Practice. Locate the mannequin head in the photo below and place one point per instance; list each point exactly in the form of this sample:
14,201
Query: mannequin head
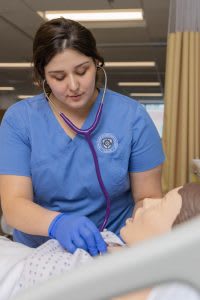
190,194
158,216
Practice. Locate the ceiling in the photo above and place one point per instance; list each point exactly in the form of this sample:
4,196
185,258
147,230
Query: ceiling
19,21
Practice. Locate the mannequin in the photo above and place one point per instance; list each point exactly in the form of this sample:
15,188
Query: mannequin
156,217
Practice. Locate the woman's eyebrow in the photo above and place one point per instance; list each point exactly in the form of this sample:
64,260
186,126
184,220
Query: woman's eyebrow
56,71
80,65
61,71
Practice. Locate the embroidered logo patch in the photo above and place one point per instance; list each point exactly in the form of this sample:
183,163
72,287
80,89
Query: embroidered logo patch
107,143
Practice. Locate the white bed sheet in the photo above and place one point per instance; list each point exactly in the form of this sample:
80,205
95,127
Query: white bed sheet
174,291
12,256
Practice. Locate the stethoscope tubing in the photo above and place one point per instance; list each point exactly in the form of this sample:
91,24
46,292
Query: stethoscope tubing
87,135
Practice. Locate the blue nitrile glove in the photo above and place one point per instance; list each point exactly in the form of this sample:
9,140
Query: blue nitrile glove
74,232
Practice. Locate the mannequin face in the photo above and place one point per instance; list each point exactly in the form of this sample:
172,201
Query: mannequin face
155,217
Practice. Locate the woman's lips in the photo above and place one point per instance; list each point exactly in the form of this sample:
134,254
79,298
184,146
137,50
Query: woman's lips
75,97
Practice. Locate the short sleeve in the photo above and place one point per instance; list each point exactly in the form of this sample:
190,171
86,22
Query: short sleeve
14,145
146,148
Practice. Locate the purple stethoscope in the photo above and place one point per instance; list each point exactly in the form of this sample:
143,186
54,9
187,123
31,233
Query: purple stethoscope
87,135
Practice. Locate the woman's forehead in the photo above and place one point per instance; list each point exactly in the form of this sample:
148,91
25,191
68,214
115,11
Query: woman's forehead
70,58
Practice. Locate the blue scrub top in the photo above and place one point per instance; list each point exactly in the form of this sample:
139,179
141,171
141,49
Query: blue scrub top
32,143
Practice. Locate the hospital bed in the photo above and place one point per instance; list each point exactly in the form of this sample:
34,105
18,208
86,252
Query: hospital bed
172,257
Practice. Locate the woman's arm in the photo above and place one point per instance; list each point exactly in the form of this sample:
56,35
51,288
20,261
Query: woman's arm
146,185
23,214
19,209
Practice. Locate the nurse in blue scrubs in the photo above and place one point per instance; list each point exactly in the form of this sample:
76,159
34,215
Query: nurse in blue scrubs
48,183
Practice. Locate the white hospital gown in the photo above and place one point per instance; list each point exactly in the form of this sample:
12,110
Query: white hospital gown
23,267
51,259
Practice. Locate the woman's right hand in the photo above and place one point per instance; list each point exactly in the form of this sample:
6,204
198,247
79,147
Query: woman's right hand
77,232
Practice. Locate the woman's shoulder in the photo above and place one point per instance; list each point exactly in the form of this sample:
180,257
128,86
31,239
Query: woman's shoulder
28,102
121,101
21,108
116,96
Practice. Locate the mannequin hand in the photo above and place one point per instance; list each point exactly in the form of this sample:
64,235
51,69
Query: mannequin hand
77,232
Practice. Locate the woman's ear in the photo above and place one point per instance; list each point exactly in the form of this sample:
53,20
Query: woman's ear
96,63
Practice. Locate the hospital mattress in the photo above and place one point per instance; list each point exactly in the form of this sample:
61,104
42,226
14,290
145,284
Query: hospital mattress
174,256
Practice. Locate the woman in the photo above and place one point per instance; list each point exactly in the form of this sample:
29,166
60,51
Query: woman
48,184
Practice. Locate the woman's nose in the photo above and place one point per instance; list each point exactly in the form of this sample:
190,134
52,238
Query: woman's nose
73,83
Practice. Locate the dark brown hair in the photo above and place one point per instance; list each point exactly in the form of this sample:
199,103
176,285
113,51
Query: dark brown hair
54,36
190,194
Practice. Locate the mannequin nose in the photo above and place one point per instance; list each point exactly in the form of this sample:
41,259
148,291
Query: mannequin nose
129,220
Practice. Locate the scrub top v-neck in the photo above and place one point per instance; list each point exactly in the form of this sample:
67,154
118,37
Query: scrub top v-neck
87,122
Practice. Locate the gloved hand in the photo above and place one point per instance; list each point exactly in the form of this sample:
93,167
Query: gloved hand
77,232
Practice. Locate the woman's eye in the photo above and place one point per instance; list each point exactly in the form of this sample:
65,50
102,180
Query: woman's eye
82,72
59,78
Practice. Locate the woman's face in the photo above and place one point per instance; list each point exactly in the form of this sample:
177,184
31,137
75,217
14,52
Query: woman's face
71,76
